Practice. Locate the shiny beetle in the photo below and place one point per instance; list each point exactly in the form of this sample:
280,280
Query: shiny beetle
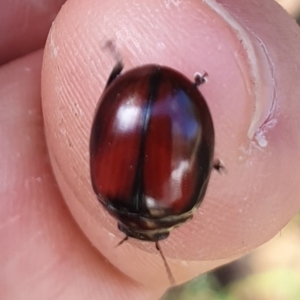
151,149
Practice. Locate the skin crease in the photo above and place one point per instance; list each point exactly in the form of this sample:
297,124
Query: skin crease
19,31
46,251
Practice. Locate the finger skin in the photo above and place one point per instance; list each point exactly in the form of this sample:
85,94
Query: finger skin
250,107
24,26
239,211
43,254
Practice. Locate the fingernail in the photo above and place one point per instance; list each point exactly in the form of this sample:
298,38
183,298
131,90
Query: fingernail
260,80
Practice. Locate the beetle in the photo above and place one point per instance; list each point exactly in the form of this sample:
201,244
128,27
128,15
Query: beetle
151,150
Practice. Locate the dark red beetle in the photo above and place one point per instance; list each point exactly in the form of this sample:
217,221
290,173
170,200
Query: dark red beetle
151,150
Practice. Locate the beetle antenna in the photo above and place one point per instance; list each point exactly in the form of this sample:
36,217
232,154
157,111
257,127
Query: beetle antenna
122,241
170,275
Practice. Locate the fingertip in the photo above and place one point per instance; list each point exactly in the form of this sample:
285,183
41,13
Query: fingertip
190,36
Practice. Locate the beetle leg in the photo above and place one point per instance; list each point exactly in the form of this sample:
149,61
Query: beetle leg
122,241
110,45
115,73
200,78
219,166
